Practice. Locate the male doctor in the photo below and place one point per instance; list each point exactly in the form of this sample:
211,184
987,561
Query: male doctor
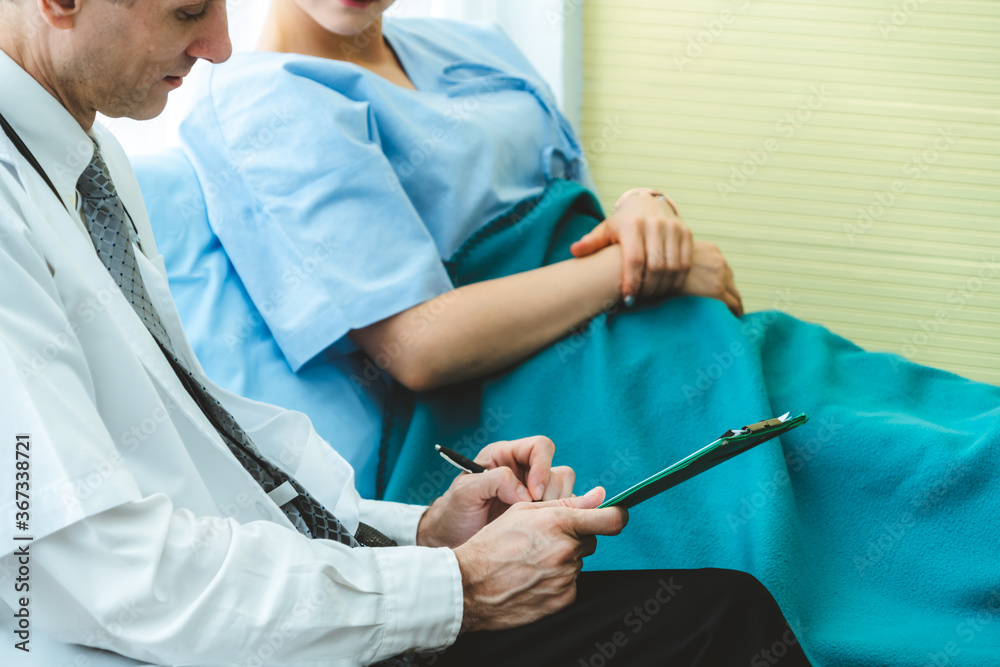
149,515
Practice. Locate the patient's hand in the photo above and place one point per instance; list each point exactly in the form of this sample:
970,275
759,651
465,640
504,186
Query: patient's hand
519,471
711,276
656,245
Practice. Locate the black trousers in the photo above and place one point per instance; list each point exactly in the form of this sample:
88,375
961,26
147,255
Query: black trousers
710,618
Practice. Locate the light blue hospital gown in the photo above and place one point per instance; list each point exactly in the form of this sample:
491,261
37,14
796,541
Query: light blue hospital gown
335,194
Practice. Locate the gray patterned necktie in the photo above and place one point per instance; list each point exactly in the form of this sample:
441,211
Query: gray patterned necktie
105,216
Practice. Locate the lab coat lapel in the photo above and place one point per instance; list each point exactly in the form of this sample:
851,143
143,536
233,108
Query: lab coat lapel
94,277
285,437
68,248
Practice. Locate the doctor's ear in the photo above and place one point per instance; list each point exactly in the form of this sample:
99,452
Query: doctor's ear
60,14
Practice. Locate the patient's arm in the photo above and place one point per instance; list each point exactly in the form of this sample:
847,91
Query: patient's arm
488,326
485,327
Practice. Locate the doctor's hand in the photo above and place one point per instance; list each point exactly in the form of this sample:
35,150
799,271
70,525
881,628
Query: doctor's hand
656,245
519,471
711,276
523,566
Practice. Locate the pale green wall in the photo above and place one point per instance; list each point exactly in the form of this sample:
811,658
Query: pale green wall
846,107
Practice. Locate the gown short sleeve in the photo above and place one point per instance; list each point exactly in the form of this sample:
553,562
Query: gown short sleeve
296,210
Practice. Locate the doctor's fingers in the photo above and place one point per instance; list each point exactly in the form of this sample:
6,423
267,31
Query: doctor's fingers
561,483
530,458
581,523
579,517
476,489
586,546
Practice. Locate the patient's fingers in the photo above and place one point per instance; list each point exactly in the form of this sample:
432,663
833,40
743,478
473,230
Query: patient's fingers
634,255
685,251
672,246
597,238
731,295
739,302
735,307
731,285
657,279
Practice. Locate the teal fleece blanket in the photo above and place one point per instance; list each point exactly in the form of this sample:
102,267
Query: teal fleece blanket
874,525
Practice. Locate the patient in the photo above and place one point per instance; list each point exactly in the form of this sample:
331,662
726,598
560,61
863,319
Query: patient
350,199
346,160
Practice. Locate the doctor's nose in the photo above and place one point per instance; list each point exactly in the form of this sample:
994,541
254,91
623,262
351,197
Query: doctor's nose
212,42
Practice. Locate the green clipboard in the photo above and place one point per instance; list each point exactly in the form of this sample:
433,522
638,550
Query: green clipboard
731,443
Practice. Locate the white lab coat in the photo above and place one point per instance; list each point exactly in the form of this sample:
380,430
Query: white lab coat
150,539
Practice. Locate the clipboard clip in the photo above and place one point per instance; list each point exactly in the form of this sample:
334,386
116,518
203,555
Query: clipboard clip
759,427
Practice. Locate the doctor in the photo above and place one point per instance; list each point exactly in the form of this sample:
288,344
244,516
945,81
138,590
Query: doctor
151,514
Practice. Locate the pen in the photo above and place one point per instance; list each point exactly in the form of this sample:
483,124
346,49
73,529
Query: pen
459,461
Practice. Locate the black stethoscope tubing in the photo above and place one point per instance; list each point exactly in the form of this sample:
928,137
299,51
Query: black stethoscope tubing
29,156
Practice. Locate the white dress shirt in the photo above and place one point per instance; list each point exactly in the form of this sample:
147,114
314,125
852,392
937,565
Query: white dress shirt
149,539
